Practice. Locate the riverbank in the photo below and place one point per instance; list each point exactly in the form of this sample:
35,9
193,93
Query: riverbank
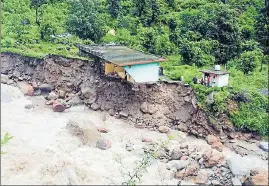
43,151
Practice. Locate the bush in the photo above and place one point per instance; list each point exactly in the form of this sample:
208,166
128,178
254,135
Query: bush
188,72
252,116
248,61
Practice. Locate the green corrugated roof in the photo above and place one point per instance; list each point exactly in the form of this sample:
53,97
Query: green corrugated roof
120,55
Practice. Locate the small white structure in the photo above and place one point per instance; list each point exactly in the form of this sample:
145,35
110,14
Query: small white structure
217,78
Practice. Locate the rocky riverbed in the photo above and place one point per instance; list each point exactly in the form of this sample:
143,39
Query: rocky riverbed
82,146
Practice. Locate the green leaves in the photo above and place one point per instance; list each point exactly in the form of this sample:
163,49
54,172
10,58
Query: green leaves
252,115
85,21
5,140
248,61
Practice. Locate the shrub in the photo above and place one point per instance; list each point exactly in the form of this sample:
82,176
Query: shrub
252,116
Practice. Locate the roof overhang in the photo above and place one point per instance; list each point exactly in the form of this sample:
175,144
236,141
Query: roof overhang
120,55
215,72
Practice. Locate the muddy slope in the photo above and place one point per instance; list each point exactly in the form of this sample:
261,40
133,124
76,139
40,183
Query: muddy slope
169,104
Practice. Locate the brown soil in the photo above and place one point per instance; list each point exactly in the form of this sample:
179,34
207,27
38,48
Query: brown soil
154,105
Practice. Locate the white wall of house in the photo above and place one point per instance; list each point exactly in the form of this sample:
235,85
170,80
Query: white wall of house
222,80
143,73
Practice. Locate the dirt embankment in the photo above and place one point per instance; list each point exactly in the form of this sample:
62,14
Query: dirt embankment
77,81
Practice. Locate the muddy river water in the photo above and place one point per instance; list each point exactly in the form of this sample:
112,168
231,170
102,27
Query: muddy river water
42,151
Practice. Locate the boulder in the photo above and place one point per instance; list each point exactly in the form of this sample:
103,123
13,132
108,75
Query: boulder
191,169
74,101
61,93
182,127
218,146
152,109
237,166
177,135
45,87
10,81
123,114
211,139
259,178
215,158
95,106
144,107
88,92
264,146
26,88
103,144
202,177
52,96
58,107
164,129
84,130
177,164
4,78
176,154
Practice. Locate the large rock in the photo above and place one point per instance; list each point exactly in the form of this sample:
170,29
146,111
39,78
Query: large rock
74,101
177,135
191,169
123,114
4,78
176,154
26,88
259,178
88,92
45,87
237,166
58,107
202,177
103,144
211,139
144,107
264,146
164,129
52,96
215,158
218,146
177,164
95,106
84,130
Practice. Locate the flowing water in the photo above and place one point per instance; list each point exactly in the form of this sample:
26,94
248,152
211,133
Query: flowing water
43,152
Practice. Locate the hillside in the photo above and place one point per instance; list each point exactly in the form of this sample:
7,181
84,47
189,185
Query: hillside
192,34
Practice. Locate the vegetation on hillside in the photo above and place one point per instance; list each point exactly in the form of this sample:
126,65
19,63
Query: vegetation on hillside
192,34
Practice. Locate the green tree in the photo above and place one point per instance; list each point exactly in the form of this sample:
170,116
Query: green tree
52,23
248,61
36,4
262,27
114,7
85,21
213,22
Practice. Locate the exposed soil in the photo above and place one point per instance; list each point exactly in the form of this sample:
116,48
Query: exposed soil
160,104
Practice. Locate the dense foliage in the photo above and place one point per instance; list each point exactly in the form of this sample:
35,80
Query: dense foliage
192,34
